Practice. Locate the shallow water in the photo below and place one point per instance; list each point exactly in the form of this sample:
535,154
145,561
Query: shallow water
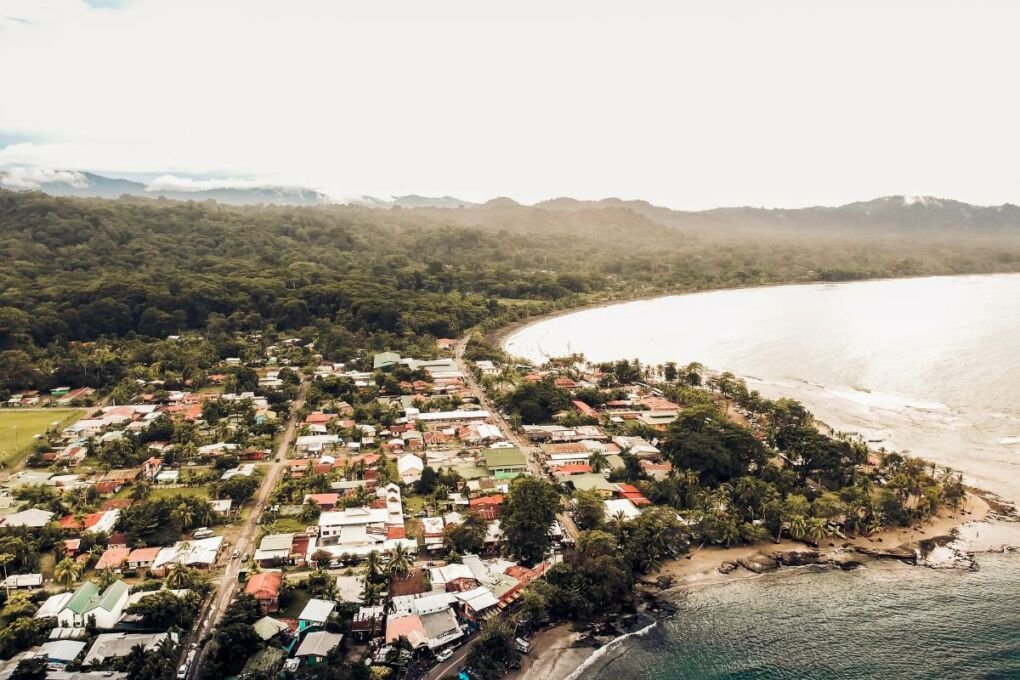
930,366
926,365
885,621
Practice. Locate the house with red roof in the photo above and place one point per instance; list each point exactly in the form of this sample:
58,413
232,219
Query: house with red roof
113,558
488,507
584,409
265,587
633,494
142,558
325,501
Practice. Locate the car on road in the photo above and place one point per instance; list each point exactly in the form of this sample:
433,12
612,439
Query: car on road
234,555
444,655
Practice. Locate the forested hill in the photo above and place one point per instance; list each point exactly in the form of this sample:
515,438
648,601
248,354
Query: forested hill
919,215
87,269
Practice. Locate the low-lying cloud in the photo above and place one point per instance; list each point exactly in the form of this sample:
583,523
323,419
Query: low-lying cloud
24,177
175,183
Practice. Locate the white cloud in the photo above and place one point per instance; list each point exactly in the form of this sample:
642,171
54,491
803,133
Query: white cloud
687,104
174,183
16,177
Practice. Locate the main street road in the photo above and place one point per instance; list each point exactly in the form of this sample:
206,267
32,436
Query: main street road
228,582
531,452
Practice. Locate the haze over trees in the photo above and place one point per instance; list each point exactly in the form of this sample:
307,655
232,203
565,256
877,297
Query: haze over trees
122,273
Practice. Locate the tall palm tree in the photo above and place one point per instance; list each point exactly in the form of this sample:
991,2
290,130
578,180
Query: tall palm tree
400,560
798,527
179,577
67,572
816,529
183,516
598,461
729,531
373,566
5,559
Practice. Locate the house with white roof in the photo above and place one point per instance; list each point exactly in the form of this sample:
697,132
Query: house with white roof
409,468
621,505
194,553
33,518
315,614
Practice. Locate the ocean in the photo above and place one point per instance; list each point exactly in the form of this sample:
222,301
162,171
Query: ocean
886,621
929,366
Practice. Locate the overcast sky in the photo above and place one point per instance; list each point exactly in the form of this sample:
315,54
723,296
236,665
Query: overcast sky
686,104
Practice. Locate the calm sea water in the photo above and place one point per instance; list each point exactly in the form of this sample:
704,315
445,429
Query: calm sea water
930,366
926,365
885,621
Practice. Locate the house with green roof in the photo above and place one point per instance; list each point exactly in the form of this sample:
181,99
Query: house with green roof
505,463
385,360
88,602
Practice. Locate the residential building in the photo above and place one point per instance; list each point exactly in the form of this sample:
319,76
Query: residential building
505,463
88,602
265,587
316,646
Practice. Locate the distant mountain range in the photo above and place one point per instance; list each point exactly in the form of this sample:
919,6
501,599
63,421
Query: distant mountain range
91,185
890,213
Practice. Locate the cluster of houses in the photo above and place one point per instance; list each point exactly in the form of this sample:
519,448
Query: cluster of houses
75,616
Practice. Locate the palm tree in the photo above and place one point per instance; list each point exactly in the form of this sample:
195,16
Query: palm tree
136,658
67,572
816,529
106,578
373,566
729,531
598,462
400,560
798,527
180,576
5,559
183,516
141,491
441,492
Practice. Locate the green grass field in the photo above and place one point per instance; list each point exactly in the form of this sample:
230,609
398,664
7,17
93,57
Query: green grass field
163,492
18,429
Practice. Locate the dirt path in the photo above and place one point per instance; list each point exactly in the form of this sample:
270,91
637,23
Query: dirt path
228,581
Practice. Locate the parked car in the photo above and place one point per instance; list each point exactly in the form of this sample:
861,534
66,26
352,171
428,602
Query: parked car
444,655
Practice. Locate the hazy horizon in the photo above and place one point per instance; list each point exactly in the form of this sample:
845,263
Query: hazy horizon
682,105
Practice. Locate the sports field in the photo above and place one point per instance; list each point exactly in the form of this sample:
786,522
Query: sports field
19,427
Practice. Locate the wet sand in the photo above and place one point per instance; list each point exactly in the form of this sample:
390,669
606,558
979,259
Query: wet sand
552,655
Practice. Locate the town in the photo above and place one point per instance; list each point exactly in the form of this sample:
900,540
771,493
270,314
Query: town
278,514
356,512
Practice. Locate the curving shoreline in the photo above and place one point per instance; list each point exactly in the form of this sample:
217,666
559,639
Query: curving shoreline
559,653
966,534
499,336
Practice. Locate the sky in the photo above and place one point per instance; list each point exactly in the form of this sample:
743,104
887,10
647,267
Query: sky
686,104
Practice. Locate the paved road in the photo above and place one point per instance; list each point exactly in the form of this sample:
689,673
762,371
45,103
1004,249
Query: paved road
228,582
452,665
532,453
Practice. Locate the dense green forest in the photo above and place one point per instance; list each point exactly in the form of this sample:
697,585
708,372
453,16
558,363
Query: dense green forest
128,271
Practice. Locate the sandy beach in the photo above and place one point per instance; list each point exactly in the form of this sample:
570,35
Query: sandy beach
554,656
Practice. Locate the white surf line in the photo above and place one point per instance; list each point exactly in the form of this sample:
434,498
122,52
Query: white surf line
601,651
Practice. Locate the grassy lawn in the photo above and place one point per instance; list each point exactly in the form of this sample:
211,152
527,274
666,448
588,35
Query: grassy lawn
298,601
18,428
413,504
47,562
163,492
287,525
